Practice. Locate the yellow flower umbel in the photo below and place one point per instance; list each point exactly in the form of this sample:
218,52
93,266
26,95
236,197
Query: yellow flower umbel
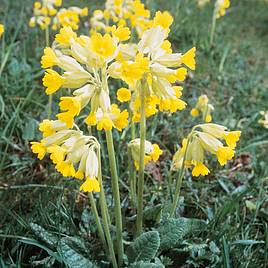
43,11
130,13
153,60
206,138
264,121
204,107
221,6
74,154
152,152
69,17
83,62
2,29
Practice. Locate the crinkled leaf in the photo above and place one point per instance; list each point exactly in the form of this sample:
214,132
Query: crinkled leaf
142,264
153,213
71,257
173,230
44,235
144,248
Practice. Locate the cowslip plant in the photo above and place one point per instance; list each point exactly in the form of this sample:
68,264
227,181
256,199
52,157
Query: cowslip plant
81,67
219,11
204,108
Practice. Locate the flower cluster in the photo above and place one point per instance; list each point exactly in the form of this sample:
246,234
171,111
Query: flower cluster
2,29
204,107
46,13
72,153
43,11
264,120
153,60
84,63
206,138
122,13
152,152
221,6
69,17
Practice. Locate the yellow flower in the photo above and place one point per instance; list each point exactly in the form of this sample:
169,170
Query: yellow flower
221,6
52,81
65,36
103,46
90,185
194,112
200,169
207,139
105,123
163,19
123,94
156,152
2,29
122,33
49,127
39,149
91,119
189,58
49,58
57,153
224,154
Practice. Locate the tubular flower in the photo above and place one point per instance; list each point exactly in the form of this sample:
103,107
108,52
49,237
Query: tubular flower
153,59
204,107
152,152
74,154
109,119
220,7
264,121
2,29
83,62
43,11
130,13
206,138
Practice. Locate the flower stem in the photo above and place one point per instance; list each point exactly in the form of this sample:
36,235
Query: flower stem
116,195
104,213
179,182
132,179
213,27
141,162
97,219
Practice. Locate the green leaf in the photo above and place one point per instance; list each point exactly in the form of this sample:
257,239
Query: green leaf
153,213
144,248
173,230
44,235
71,257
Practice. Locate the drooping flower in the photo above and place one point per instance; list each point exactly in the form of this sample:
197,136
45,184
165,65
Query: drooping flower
152,152
220,7
206,138
83,62
73,153
264,121
153,60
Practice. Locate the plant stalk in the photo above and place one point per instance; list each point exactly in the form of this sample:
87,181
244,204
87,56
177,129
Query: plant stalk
104,213
213,27
97,219
141,162
116,195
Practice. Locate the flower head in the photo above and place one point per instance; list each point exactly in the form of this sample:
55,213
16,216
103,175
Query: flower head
152,152
204,107
206,138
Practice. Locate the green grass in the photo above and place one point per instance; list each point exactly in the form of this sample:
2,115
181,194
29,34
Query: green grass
234,200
